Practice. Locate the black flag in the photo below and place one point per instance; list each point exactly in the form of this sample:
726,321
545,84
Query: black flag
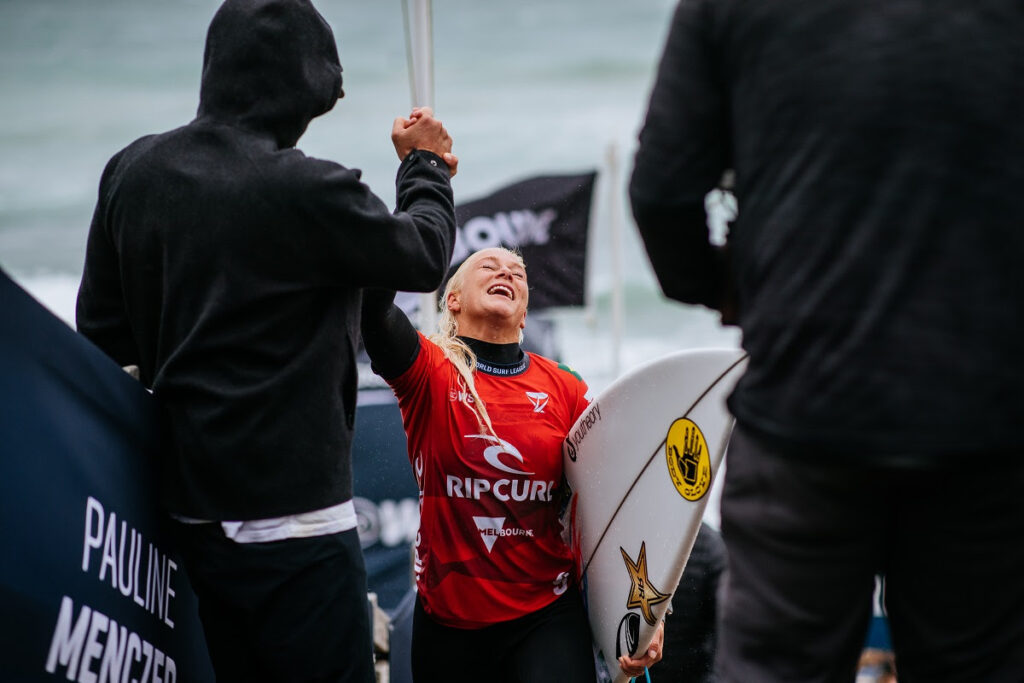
546,219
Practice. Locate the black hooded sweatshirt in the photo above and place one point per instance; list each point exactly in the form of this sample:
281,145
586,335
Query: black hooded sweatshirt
228,266
878,152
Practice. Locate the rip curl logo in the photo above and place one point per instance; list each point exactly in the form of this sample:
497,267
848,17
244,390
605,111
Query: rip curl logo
417,466
539,399
493,528
642,592
515,488
689,465
500,446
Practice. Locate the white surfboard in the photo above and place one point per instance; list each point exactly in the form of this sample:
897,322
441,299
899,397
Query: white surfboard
640,463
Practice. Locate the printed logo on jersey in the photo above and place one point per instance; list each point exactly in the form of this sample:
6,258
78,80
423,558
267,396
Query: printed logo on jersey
493,528
642,592
561,583
417,467
516,489
504,490
491,453
539,399
460,395
628,637
689,464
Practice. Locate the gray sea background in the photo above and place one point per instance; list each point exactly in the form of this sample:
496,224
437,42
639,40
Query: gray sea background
525,88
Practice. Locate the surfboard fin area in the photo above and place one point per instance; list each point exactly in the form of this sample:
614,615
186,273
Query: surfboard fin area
640,463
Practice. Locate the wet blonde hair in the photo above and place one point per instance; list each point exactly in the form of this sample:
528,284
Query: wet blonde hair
457,351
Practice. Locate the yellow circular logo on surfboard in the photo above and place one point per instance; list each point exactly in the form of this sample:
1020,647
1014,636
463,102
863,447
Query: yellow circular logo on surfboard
689,463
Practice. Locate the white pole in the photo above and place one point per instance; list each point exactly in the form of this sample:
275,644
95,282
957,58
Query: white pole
615,227
422,33
420,52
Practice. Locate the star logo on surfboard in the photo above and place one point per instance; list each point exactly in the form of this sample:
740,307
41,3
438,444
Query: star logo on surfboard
642,592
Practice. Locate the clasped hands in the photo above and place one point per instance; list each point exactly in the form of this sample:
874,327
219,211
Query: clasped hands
422,131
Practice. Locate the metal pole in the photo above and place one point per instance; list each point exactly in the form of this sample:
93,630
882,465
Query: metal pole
420,52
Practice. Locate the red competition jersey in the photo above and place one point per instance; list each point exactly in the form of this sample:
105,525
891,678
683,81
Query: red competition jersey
489,547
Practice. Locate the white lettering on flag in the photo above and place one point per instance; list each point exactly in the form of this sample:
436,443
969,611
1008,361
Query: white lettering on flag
509,228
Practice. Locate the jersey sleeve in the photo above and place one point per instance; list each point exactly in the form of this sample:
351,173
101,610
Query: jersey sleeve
578,392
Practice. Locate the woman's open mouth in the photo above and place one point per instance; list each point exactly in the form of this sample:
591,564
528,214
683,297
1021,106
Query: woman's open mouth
503,290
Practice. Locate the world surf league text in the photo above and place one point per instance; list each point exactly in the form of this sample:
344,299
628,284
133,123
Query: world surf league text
92,647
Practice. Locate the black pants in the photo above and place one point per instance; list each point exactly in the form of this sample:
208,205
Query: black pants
806,538
552,644
291,610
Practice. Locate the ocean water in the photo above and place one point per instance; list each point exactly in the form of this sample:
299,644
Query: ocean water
525,88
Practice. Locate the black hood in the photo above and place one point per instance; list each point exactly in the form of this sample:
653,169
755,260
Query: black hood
270,66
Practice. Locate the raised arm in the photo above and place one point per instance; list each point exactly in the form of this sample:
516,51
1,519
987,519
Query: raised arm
390,339
349,237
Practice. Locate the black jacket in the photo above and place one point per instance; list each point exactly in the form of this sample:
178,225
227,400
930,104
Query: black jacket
879,159
228,266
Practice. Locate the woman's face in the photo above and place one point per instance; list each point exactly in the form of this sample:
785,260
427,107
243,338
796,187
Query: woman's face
493,292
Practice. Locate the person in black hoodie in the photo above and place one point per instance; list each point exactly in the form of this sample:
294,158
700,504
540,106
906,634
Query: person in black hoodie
228,266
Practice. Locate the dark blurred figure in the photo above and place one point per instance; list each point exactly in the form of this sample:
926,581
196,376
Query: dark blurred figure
691,631
874,267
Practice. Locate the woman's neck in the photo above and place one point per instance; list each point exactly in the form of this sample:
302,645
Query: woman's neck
491,329
502,354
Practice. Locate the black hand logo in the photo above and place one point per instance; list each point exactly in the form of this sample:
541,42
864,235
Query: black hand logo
690,459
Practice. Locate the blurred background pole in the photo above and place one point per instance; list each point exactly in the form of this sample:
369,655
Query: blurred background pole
419,50
615,230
